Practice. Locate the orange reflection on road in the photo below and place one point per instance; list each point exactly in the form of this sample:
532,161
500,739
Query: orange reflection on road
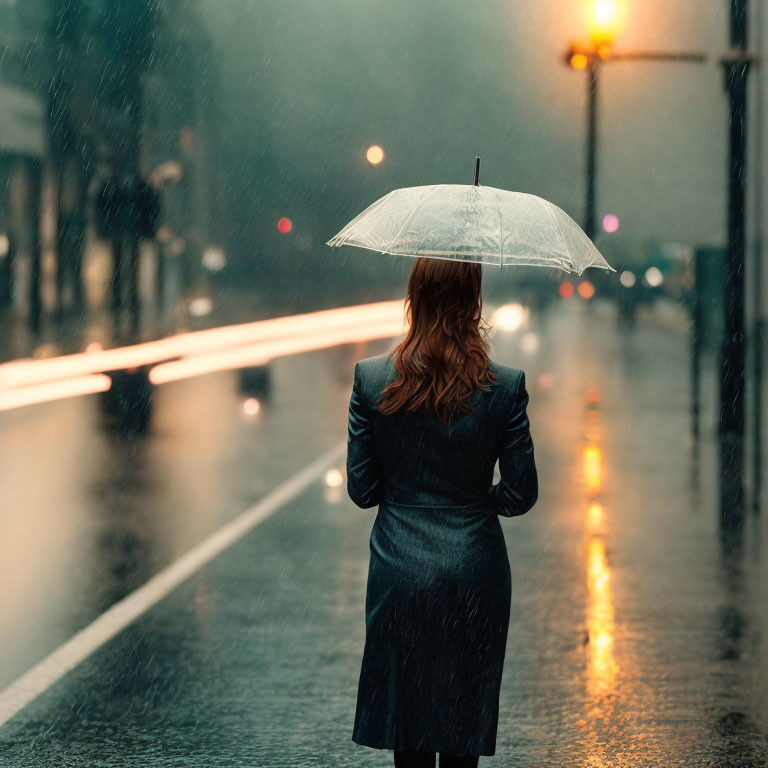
593,468
600,621
601,667
594,517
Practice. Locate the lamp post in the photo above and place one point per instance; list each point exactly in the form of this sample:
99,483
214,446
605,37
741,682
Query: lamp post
605,19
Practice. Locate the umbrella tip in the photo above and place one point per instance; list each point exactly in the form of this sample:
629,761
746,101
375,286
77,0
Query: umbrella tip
476,182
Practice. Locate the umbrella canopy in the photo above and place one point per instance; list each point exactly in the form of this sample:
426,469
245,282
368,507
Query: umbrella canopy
472,223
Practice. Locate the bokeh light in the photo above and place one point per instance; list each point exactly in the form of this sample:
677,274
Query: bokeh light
579,61
251,406
627,278
586,289
610,223
510,317
214,258
592,396
566,289
200,307
374,155
545,380
285,225
653,277
333,478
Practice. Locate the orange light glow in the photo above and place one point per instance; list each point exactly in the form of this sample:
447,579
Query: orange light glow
579,61
586,290
605,19
566,289
600,620
594,516
374,155
592,395
593,468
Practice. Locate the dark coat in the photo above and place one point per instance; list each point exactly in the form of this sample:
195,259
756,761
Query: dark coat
439,583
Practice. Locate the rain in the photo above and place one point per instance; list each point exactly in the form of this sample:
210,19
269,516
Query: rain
209,211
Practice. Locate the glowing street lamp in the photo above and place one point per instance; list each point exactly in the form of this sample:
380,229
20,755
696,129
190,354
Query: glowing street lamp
604,19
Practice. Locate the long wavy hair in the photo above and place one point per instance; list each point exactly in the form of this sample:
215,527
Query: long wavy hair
443,359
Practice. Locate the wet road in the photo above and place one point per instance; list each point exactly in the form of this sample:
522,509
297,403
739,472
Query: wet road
637,638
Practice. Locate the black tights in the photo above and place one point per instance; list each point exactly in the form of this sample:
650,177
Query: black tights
405,759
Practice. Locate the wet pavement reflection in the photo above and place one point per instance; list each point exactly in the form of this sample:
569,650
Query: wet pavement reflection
638,629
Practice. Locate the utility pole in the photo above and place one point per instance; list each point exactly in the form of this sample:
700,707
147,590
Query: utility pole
732,380
757,284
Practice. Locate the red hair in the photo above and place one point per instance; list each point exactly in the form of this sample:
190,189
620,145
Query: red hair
443,359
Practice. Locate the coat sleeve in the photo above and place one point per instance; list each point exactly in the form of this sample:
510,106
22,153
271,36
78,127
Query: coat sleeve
518,489
364,484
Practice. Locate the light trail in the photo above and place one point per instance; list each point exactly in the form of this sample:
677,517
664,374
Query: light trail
20,373
260,354
54,390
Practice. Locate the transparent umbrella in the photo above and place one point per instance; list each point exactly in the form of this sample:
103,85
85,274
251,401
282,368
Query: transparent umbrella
472,223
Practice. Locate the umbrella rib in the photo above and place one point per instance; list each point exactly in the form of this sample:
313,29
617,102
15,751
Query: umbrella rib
418,205
557,225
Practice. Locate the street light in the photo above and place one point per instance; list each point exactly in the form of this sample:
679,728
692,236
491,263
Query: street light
605,19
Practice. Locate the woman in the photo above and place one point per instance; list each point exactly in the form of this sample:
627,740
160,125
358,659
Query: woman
427,423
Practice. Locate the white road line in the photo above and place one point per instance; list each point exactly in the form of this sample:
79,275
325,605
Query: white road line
65,658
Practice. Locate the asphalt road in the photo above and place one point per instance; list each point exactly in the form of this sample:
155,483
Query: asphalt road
637,637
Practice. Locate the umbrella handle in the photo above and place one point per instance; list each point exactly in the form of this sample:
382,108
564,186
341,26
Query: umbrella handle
476,182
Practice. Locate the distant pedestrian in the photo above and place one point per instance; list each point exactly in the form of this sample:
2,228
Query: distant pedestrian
427,423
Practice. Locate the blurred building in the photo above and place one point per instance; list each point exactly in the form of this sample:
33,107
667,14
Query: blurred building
92,90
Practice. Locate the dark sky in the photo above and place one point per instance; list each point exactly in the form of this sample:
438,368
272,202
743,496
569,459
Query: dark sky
310,85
